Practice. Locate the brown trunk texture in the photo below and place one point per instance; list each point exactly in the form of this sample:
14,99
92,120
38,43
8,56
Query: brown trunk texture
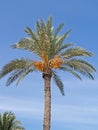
47,105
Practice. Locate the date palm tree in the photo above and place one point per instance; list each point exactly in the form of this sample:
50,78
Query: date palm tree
8,122
48,45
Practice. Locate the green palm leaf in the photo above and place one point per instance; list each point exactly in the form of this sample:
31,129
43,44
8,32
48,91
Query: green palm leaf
8,122
17,64
24,74
70,71
58,29
49,27
61,39
58,82
25,44
18,68
63,47
81,66
19,75
31,33
76,51
78,63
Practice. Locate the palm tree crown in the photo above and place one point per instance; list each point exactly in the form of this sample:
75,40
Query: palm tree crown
8,122
49,46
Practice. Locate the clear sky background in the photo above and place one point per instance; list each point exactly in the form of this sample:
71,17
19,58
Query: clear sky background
78,109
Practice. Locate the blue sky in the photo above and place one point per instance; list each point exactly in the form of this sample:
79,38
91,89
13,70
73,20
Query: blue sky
78,109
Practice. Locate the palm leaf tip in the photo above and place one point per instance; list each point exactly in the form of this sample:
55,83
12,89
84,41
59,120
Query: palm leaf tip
90,76
85,52
27,30
58,29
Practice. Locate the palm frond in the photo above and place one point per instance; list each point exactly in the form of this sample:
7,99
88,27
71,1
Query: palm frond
25,44
76,51
65,46
49,27
24,74
17,125
17,64
58,29
81,66
58,82
78,63
9,122
19,128
18,75
59,41
42,25
46,27
70,71
31,33
90,67
38,28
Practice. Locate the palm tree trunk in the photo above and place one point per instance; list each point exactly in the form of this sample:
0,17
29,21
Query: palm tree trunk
47,105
